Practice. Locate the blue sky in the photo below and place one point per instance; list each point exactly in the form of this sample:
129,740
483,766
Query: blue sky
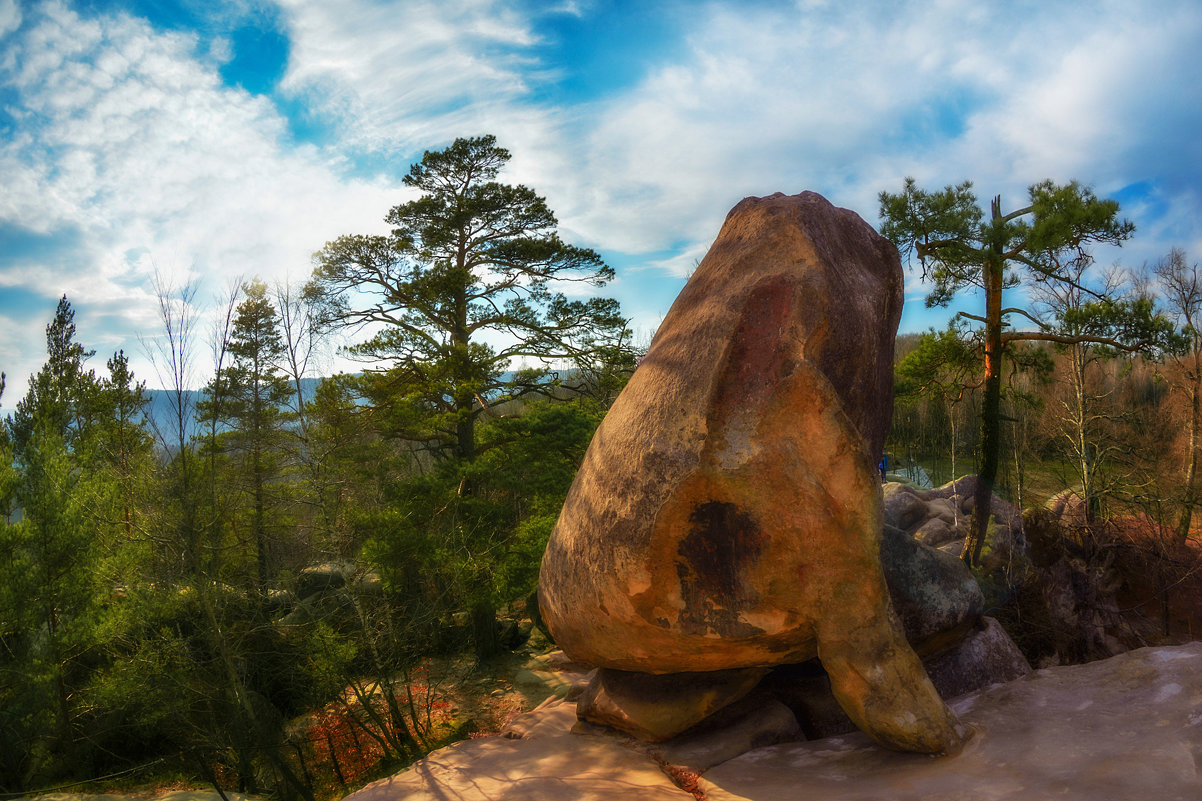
212,140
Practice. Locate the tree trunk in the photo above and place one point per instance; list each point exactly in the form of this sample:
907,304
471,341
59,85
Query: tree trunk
991,406
1082,441
465,429
484,631
1191,459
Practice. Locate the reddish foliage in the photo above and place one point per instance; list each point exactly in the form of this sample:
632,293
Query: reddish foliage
341,733
1162,577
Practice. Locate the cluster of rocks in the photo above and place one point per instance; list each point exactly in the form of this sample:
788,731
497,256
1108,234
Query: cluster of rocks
941,517
320,585
1122,728
939,605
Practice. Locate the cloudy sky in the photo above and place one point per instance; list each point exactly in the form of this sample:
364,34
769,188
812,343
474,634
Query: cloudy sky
209,140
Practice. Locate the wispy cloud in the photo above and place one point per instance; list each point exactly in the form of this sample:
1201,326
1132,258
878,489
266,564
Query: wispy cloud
125,150
400,76
130,148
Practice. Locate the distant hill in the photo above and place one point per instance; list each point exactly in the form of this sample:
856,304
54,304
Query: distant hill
161,407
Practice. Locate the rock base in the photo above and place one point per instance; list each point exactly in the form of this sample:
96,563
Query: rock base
1122,728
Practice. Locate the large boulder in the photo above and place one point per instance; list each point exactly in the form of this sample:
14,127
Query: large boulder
986,656
323,578
656,707
728,513
933,592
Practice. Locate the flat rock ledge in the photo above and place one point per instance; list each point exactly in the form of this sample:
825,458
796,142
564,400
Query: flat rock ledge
1122,728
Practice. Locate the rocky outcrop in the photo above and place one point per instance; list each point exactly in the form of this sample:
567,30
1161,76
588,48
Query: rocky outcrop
1122,728
547,763
656,707
727,513
933,592
941,517
984,657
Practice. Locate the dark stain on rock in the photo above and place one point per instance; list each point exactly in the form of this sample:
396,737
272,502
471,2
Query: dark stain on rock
723,541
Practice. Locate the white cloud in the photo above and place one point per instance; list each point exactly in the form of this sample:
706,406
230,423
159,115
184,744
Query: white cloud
126,137
1092,104
407,75
130,139
848,98
10,16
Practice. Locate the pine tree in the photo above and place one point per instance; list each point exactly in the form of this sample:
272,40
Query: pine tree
467,282
51,593
1046,241
248,398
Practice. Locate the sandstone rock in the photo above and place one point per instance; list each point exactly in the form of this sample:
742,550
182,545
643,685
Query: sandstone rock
936,532
317,579
566,677
555,717
903,506
654,708
1129,727
1068,509
806,690
558,660
1070,588
986,656
727,513
539,768
933,593
756,721
942,517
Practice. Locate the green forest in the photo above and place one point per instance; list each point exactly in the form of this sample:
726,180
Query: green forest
262,590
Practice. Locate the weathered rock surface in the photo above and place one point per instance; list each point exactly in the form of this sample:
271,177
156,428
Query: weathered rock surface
549,766
1127,727
983,657
727,513
934,593
756,721
655,707
321,578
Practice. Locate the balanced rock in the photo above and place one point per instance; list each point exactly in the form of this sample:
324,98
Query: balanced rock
728,513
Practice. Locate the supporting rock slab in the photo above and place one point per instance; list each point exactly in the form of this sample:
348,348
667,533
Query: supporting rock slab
655,708
1129,727
539,768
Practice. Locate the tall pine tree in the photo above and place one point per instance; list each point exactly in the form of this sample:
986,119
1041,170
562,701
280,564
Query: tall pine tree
248,398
